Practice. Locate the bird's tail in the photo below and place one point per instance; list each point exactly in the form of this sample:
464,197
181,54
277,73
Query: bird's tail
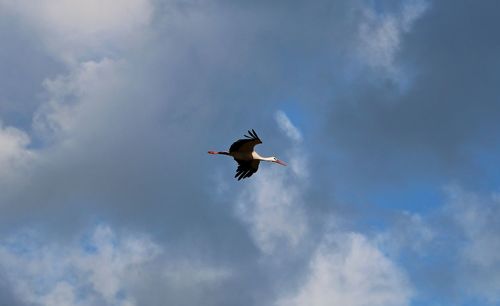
215,152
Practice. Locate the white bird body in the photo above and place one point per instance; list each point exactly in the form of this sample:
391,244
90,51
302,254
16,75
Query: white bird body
243,153
249,156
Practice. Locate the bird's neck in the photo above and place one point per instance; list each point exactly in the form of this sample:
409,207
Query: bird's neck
257,156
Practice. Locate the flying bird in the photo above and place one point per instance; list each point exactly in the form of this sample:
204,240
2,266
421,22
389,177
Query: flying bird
243,153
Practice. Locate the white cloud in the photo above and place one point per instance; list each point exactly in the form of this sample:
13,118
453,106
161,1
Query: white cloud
409,231
477,217
93,272
81,98
71,98
347,269
380,34
272,207
272,204
14,153
71,29
13,144
63,294
297,157
103,267
188,274
287,127
114,260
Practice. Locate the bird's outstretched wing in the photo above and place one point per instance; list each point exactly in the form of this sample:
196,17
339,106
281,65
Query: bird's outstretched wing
246,144
246,168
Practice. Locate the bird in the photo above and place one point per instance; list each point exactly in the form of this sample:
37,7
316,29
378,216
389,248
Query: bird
242,150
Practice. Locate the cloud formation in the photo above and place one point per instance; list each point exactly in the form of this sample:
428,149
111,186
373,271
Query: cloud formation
380,34
347,269
108,108
476,215
93,271
72,30
14,152
273,203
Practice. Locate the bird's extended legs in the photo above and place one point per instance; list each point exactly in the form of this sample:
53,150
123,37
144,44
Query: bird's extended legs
215,152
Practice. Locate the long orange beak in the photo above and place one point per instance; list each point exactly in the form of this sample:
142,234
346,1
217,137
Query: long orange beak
280,162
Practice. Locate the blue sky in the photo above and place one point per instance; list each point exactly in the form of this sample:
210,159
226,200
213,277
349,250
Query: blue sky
386,112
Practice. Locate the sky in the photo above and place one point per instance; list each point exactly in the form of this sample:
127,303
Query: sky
386,112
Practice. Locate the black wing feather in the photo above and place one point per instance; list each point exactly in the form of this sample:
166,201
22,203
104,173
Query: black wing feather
246,168
237,144
254,134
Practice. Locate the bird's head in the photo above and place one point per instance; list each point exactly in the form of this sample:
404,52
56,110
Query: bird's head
275,160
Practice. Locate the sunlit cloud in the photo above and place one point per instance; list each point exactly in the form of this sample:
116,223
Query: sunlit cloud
272,204
381,34
347,269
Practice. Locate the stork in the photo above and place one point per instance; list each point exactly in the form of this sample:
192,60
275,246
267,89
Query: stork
243,153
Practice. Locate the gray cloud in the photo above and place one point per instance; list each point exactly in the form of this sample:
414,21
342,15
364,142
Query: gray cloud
475,215
348,269
436,125
24,66
106,122
121,126
7,295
